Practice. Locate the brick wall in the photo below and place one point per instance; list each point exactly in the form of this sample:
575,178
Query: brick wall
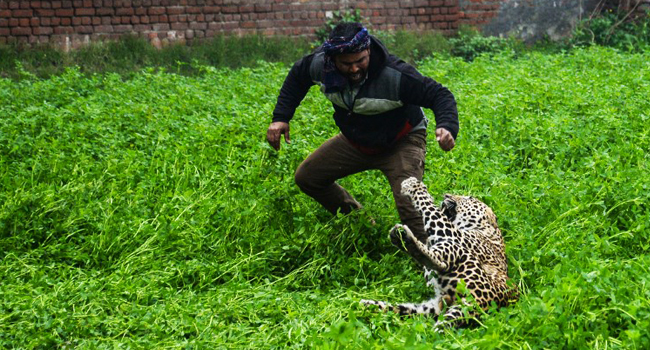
72,23
476,13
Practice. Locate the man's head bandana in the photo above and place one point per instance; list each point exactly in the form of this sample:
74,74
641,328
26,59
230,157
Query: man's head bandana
332,79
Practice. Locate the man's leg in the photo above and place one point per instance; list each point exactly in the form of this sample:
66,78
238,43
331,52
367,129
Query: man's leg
317,174
404,161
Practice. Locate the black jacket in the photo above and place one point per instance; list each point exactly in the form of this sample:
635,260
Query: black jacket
390,98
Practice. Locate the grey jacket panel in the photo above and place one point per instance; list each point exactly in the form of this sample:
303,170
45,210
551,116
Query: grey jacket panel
379,97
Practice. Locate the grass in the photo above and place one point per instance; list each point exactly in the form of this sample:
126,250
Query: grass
147,211
132,53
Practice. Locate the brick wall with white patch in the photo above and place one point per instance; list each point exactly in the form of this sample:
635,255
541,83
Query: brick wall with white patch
73,23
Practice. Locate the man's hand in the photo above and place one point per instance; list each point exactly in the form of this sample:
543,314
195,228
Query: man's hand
273,134
445,140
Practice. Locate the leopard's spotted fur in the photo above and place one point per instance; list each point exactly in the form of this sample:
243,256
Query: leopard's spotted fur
463,242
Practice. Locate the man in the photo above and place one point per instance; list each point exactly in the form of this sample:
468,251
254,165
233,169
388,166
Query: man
377,100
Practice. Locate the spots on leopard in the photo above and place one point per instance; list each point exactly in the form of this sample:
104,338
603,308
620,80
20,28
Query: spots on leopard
464,238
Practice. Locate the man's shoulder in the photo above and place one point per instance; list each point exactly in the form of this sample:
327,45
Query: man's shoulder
401,66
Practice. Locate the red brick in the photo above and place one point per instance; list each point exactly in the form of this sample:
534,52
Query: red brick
5,32
211,9
125,20
156,11
35,4
229,9
34,22
19,31
124,11
43,30
141,28
14,4
263,8
64,12
84,12
441,25
24,22
84,29
122,28
56,4
44,13
76,21
175,10
105,11
198,26
66,4
141,11
5,13
248,24
179,26
161,27
22,13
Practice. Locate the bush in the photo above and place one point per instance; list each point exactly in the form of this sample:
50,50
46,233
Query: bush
613,29
338,17
470,43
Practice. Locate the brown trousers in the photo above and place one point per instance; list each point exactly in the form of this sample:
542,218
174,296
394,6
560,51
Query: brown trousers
337,158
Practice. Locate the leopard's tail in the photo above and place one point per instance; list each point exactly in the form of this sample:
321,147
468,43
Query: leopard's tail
431,307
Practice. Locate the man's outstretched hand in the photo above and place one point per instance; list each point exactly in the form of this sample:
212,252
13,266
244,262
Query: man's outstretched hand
273,134
445,140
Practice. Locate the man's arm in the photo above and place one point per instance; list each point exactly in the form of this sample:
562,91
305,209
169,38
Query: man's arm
293,91
425,92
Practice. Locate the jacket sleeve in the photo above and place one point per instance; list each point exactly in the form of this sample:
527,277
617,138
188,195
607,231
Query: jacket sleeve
293,91
425,92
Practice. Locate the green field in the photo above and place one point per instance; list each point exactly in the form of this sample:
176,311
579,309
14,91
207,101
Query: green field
149,212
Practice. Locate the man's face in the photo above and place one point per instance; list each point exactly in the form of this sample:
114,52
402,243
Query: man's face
353,66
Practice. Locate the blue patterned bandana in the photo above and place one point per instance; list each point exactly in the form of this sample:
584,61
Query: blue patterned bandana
332,79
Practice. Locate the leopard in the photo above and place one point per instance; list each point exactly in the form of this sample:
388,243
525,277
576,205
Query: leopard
463,243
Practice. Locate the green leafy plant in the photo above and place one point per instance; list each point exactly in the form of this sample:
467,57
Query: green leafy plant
337,17
615,29
146,210
469,44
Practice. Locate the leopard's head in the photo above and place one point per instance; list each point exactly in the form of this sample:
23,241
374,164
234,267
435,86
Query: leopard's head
467,212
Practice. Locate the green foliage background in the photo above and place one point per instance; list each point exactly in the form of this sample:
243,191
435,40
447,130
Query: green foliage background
149,212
